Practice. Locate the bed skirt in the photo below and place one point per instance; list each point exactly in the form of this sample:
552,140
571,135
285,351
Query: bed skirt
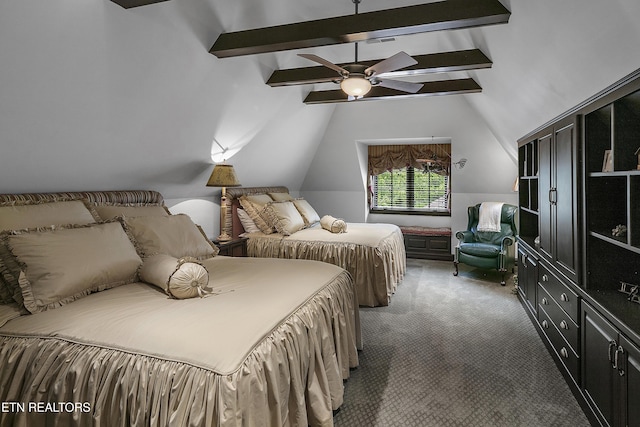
293,377
376,271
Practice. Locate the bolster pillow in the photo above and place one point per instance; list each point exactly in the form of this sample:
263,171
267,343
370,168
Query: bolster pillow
179,278
334,225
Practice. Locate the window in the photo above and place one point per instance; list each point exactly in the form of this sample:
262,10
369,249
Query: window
422,187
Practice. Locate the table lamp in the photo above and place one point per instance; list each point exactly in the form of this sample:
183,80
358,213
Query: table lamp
223,176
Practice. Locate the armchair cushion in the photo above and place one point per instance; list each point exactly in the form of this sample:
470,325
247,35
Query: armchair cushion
484,250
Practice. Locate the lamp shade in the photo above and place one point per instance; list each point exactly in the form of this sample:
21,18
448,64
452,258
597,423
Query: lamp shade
355,86
223,175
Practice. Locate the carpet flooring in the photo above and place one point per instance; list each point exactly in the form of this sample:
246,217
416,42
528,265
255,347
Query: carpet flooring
454,351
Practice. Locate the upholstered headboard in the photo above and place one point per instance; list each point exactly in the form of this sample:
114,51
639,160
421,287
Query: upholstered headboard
99,197
233,226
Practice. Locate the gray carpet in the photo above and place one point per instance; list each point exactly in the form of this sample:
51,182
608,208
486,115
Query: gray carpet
454,351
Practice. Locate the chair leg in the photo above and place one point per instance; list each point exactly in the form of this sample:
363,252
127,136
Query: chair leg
455,264
503,283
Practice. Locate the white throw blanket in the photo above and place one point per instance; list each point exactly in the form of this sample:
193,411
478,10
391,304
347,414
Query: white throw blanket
489,216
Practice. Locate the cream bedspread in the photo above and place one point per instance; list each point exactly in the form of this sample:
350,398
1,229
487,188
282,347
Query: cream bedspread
374,254
268,349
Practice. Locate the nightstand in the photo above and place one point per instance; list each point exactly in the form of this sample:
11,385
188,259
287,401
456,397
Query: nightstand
234,247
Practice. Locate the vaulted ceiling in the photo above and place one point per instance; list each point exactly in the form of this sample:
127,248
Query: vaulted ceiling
373,26
132,98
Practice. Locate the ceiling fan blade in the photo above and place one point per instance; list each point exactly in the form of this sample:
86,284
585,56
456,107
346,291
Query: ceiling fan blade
403,86
396,62
324,62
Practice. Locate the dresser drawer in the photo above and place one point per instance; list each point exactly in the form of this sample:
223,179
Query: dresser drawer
565,325
560,292
568,357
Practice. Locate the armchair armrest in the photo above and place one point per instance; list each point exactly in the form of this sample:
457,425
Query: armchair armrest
465,236
507,241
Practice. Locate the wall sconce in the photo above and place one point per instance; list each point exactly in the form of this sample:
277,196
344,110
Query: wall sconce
224,155
460,163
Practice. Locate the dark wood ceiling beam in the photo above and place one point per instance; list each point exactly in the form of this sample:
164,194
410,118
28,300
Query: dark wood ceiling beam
127,4
443,15
444,62
444,87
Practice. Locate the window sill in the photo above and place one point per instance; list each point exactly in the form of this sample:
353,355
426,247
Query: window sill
408,212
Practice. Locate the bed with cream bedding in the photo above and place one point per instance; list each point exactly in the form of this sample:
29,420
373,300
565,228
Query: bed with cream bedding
268,343
374,254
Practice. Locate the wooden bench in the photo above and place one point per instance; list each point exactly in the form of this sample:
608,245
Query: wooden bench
427,242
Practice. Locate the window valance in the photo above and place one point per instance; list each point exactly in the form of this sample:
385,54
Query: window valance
387,157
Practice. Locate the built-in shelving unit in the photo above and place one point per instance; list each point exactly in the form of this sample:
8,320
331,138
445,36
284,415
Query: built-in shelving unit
612,187
528,191
580,193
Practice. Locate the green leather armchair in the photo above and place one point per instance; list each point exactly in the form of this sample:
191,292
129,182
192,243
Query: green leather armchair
486,249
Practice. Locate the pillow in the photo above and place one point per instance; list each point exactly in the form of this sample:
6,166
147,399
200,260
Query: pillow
246,221
61,265
107,212
257,215
281,197
179,278
334,225
174,235
285,217
32,214
23,215
258,199
309,214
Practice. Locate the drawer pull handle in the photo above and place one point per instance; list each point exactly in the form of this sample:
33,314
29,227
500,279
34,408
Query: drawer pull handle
564,353
545,278
616,362
564,297
544,301
545,324
564,325
612,345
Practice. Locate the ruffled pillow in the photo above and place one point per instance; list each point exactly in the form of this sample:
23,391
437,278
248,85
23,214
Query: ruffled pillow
257,214
174,235
285,217
246,221
179,278
309,214
61,264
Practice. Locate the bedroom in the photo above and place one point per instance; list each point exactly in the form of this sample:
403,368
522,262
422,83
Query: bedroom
97,97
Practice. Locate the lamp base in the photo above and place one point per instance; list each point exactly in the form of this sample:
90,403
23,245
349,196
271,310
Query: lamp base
224,237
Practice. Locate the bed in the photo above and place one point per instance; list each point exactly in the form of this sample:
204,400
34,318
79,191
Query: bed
265,342
374,254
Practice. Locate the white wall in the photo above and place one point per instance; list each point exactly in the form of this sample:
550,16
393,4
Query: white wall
97,97
335,185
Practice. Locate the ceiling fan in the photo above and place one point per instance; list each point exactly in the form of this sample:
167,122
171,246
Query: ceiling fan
356,79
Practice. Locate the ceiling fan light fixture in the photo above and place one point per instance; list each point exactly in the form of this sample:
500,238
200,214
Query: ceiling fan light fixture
356,86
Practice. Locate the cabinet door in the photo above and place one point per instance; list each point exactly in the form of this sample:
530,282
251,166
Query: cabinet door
528,279
631,383
532,280
597,372
545,173
564,198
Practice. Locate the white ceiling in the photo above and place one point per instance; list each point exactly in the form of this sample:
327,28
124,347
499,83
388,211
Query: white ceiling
94,96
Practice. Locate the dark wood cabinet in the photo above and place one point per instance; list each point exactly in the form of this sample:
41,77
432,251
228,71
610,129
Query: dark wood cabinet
580,234
611,371
136,3
558,195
